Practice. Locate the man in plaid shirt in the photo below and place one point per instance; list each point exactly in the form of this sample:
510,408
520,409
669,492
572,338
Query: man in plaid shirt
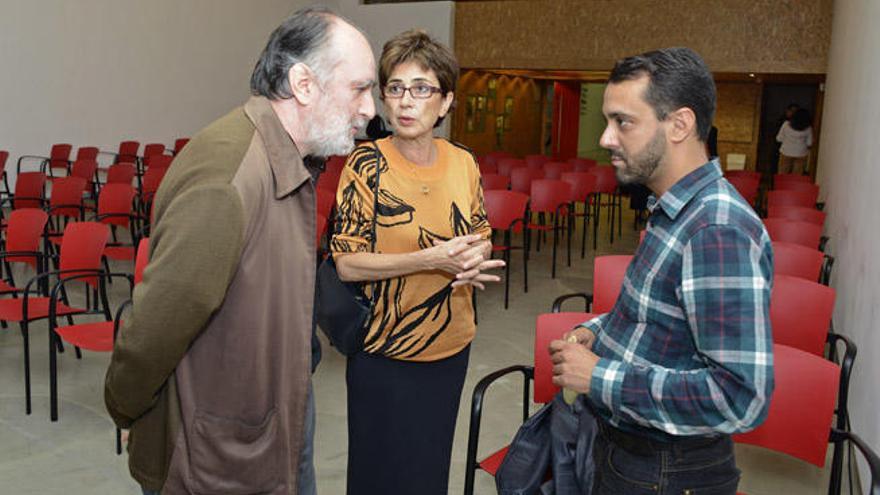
684,359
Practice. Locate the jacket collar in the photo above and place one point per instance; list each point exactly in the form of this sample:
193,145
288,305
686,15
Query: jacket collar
288,169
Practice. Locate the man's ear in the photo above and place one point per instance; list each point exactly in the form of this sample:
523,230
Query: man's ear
303,85
683,123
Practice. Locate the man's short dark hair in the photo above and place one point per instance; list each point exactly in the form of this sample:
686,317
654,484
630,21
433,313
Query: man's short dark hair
677,78
301,38
801,119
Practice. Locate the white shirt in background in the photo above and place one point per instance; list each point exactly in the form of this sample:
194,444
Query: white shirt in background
794,143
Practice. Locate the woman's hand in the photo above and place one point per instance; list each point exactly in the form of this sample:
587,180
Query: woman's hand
457,255
476,277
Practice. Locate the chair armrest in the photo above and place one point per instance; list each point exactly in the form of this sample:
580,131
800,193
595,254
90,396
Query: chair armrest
822,242
587,297
827,264
117,319
59,286
477,407
846,365
43,159
873,487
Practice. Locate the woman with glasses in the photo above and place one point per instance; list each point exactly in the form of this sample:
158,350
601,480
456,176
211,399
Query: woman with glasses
431,251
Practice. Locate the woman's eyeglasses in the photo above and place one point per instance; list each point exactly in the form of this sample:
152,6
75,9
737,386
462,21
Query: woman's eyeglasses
420,91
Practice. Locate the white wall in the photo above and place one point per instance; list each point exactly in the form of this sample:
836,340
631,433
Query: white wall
849,175
96,72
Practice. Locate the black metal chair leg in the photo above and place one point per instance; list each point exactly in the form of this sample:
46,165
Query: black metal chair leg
555,242
118,441
27,367
53,377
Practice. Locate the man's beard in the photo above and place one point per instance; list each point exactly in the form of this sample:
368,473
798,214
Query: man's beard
331,135
638,169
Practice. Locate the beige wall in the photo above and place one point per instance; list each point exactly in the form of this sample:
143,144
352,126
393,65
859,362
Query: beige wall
96,72
850,178
734,36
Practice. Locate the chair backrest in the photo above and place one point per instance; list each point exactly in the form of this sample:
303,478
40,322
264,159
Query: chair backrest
67,197
792,198
505,207
26,226
324,202
583,184
547,195
800,313
497,155
803,233
84,168
121,173
141,259
550,327
505,165
521,179
158,161
797,261
747,187
59,155
153,149
4,155
608,274
494,182
799,213
179,143
801,410
82,245
583,164
329,180
335,163
128,151
798,186
606,179
554,170
751,174
152,179
488,168
87,153
116,199
536,162
780,179
30,188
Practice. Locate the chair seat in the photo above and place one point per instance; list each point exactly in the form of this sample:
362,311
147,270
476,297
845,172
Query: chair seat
537,226
120,252
5,287
493,462
38,307
97,336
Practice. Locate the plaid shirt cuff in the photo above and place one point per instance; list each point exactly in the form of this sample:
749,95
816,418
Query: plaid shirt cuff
607,381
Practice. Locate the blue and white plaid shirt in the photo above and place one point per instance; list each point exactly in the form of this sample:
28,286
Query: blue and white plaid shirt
687,348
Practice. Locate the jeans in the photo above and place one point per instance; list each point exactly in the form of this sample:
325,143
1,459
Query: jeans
672,469
307,485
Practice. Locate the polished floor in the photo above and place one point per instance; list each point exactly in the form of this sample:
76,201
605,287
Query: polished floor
76,454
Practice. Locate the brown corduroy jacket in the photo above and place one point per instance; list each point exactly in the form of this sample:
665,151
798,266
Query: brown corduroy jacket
210,369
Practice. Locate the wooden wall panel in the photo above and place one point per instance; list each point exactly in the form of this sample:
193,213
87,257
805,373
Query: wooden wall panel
737,117
788,36
524,135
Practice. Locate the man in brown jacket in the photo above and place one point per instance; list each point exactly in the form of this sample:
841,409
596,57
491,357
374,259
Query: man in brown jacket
211,370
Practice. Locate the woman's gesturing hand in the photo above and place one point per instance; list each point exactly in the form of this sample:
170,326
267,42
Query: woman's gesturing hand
456,255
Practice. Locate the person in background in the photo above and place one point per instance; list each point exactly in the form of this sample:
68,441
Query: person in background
796,138
684,359
431,251
211,371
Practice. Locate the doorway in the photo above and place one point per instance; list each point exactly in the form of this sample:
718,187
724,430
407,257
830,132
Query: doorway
776,98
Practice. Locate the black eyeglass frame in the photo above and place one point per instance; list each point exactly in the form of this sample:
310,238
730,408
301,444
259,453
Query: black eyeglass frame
434,90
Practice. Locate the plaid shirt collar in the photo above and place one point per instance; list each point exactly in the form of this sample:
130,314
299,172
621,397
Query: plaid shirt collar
680,194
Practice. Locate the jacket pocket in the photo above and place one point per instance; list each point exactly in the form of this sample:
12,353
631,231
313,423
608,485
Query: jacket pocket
230,456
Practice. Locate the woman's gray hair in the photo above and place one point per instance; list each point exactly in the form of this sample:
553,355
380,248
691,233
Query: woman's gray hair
302,38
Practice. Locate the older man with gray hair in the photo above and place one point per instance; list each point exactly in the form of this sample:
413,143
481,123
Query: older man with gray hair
211,370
